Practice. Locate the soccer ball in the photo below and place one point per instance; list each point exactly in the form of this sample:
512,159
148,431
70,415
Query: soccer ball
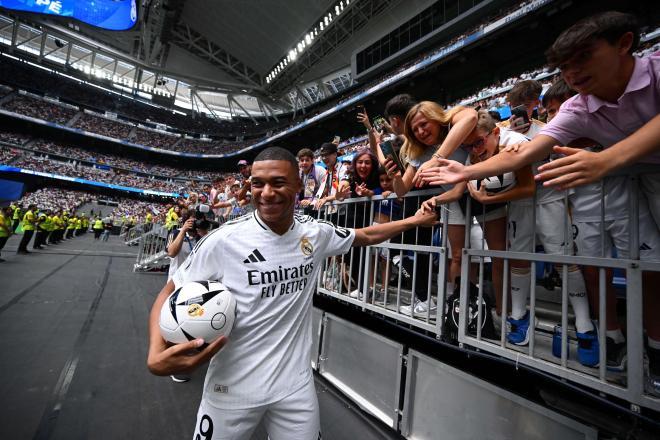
496,184
199,309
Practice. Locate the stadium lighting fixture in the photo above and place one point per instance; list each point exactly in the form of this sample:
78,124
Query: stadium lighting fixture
307,40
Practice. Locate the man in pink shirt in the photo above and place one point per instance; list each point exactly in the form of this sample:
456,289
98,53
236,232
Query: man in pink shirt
618,106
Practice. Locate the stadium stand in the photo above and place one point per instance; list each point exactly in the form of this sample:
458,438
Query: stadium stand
555,355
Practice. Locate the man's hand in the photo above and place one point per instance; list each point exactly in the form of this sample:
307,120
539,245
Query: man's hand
518,124
429,205
447,172
163,360
187,225
579,167
305,203
425,218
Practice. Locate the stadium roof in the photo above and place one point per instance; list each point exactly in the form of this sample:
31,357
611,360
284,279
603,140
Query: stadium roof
224,57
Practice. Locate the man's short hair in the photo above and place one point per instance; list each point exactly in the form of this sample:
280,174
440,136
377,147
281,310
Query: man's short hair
559,91
305,152
399,106
610,25
524,91
328,148
277,153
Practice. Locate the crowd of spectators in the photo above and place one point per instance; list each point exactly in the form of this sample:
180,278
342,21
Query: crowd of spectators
135,211
57,199
7,154
72,154
72,168
104,126
40,109
154,139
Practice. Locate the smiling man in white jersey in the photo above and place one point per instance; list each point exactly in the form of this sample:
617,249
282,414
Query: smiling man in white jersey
270,260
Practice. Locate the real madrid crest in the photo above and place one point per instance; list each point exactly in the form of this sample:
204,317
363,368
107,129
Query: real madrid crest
306,246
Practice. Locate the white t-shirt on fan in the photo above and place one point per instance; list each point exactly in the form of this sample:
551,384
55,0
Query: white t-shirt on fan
273,278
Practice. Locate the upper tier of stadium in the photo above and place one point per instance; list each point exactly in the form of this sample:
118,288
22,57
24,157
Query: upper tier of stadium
82,101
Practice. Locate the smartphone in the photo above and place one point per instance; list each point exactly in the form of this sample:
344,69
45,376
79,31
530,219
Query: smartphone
388,151
336,140
361,109
520,112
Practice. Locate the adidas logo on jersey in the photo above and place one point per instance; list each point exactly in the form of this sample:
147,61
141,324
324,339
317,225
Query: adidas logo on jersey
254,257
644,247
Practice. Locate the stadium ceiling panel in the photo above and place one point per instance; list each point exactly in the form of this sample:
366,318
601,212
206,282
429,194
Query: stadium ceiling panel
256,32
193,52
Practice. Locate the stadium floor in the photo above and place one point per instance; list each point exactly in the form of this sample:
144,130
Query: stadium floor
74,324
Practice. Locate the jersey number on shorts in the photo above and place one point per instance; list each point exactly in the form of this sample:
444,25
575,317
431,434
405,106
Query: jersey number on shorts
206,431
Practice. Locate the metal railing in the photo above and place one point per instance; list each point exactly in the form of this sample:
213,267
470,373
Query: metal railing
384,279
132,234
152,253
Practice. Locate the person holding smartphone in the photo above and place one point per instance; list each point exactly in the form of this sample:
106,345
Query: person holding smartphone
524,98
430,133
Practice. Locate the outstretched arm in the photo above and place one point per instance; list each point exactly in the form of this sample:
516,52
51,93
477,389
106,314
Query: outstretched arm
379,233
581,166
164,360
450,171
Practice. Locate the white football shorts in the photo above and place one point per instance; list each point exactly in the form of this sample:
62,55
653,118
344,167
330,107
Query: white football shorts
650,186
295,417
549,227
588,238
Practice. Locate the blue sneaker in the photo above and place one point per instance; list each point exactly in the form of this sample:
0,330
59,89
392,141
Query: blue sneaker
588,348
519,334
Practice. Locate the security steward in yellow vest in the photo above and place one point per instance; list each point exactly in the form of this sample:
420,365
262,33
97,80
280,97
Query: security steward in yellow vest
98,228
29,224
56,222
6,227
79,226
41,230
71,226
16,217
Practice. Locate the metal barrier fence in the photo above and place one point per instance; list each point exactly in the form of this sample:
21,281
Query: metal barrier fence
385,279
152,252
152,241
132,235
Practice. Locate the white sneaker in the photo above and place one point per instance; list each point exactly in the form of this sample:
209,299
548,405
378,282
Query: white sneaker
420,308
356,294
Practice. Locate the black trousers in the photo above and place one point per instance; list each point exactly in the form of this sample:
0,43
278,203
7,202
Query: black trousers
27,236
40,238
97,233
16,223
3,241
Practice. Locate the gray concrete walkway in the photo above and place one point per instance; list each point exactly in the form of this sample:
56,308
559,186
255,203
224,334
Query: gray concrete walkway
73,319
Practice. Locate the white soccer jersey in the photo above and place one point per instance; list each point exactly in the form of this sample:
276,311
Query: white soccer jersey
273,278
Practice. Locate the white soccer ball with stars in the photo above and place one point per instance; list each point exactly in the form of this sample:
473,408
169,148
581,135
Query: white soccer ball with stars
199,309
